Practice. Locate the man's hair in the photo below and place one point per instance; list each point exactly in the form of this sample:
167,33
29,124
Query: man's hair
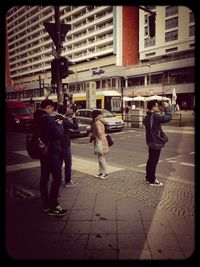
95,113
62,109
47,102
151,104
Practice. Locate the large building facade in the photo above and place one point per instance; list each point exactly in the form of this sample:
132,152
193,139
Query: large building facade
107,44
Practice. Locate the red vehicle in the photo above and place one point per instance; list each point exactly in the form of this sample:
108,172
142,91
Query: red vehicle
18,116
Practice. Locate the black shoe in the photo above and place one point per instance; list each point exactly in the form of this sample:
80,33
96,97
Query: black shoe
58,211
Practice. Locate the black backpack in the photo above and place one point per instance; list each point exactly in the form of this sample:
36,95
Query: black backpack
34,146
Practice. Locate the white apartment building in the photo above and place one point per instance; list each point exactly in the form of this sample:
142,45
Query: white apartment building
105,43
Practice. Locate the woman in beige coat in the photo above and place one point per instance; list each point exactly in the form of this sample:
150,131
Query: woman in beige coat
98,129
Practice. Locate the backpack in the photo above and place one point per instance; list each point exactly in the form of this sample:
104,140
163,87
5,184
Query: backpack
34,145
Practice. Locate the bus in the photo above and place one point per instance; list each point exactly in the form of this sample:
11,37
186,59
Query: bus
110,100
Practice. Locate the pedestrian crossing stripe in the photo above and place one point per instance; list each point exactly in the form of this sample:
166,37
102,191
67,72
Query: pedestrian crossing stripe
78,164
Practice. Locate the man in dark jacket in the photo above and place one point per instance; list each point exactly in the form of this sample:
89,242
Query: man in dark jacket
67,154
154,154
51,133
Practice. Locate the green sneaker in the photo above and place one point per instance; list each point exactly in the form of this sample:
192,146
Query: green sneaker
58,211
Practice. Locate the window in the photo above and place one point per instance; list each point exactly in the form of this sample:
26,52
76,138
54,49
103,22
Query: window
191,33
145,19
149,42
171,10
171,23
171,36
171,49
191,17
146,31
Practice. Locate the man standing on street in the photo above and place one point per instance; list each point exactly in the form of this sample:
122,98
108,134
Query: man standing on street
154,154
51,133
67,154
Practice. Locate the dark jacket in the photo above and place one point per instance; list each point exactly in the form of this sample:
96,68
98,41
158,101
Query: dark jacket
157,120
35,124
68,124
51,133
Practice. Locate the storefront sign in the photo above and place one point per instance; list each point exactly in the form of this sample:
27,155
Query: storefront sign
98,72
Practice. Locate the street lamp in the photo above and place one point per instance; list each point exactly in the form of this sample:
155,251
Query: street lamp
122,95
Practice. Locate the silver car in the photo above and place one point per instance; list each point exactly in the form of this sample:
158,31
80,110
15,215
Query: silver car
112,123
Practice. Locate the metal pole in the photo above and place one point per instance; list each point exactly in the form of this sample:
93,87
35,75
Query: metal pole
40,85
148,65
58,49
122,93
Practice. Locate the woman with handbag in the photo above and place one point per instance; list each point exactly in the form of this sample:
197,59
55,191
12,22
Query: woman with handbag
101,147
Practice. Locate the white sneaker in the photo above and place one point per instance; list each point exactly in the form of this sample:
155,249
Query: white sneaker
103,176
70,184
156,183
98,175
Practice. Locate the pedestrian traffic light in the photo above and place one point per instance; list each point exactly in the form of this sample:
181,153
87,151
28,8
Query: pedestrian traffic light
65,99
152,26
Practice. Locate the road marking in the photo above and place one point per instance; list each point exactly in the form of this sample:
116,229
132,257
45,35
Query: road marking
187,164
78,164
131,131
90,167
22,166
173,158
141,165
22,152
119,133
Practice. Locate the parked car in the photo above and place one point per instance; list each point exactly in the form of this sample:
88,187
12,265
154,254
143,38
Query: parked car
18,116
83,130
112,123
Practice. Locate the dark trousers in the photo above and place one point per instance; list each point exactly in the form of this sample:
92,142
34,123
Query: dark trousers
50,164
68,163
151,165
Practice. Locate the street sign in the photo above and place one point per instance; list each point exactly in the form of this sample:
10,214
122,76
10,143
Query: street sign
51,29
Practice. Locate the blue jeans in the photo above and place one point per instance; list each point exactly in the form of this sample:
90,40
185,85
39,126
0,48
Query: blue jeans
67,157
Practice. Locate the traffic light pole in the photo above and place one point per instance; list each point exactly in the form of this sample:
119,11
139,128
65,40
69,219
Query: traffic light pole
58,50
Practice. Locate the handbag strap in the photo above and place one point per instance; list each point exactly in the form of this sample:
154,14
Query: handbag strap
151,126
151,122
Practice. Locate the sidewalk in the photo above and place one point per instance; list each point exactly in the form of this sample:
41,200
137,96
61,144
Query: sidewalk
118,218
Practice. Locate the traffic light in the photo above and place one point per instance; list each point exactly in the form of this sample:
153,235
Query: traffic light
152,25
63,67
62,64
69,63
